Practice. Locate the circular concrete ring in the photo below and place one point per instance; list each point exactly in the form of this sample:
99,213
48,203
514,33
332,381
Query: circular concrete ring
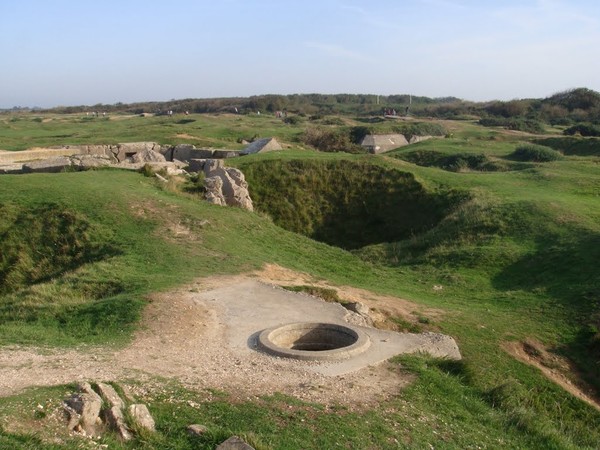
314,341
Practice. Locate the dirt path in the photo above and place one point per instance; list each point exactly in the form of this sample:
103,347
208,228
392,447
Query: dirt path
182,338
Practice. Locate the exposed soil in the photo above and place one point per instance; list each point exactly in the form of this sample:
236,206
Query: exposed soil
182,339
554,367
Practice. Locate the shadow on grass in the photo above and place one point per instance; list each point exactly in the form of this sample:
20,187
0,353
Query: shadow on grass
568,273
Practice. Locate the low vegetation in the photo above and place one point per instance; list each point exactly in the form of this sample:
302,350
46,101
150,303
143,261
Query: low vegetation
458,162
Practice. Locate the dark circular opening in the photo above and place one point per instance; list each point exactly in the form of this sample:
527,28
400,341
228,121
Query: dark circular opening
325,341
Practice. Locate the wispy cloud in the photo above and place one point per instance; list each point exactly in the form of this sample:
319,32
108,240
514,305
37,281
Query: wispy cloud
368,16
338,51
444,4
546,13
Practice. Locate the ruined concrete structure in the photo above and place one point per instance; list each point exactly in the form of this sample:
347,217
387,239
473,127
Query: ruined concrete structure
380,143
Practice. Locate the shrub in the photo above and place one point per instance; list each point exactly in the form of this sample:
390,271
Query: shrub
455,163
357,134
420,129
147,170
327,140
584,129
292,120
535,153
527,125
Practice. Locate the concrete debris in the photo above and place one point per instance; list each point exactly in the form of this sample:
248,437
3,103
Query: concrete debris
231,190
197,430
234,443
142,417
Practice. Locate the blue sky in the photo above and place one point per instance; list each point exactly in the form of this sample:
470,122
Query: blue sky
72,52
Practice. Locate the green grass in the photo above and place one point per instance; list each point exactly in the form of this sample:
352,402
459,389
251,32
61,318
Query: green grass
517,259
21,132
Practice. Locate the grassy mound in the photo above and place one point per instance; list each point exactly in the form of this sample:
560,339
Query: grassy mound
44,242
346,204
535,153
573,145
457,162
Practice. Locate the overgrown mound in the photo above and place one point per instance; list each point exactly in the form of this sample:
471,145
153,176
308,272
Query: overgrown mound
535,153
457,162
346,204
41,243
516,124
572,145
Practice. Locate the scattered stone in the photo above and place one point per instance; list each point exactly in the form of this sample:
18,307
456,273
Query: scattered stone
212,165
356,319
73,417
214,191
142,417
360,314
87,405
196,165
116,421
108,393
127,393
197,430
234,443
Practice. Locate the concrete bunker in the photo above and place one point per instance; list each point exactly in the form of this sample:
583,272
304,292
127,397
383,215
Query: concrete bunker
313,341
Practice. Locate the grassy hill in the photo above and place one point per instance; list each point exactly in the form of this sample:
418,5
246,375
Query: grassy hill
515,249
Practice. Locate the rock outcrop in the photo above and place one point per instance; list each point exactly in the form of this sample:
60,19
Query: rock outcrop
147,155
226,185
83,409
86,415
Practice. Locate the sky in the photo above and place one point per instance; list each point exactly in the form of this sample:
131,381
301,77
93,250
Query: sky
74,52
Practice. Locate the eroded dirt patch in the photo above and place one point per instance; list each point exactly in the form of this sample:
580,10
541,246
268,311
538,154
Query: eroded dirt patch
554,367
382,306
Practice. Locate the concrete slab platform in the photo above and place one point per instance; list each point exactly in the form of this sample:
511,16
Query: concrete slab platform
249,307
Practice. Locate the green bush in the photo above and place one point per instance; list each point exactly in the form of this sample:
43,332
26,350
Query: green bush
293,120
147,170
357,134
527,125
535,153
329,140
420,129
572,145
454,163
584,129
